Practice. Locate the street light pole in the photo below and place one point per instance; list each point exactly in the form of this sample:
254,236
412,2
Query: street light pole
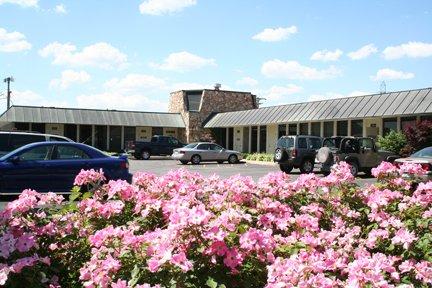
8,80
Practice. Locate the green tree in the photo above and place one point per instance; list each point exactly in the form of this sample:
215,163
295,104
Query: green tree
393,141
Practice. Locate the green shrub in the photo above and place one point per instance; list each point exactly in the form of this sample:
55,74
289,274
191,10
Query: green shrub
393,141
258,157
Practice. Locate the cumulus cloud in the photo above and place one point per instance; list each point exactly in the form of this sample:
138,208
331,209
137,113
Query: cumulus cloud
275,34
247,81
134,82
325,55
13,41
332,95
69,77
60,9
389,74
363,52
410,49
22,3
101,55
183,61
160,7
277,93
29,97
295,71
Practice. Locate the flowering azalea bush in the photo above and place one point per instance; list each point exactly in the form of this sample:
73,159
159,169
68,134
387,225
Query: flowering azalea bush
186,230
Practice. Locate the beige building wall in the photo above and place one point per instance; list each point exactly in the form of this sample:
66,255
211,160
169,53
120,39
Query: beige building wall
372,127
56,129
143,133
272,134
170,132
238,138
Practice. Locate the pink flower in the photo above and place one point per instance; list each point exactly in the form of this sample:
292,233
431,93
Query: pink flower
91,176
384,169
25,242
404,237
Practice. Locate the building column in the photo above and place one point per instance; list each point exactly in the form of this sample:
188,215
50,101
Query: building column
349,128
322,129
309,128
335,128
364,128
30,126
227,137
250,139
93,135
108,138
258,138
122,138
78,133
298,129
398,124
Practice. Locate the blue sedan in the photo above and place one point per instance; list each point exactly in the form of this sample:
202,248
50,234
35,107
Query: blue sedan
52,166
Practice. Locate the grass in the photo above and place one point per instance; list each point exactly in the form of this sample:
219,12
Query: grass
258,157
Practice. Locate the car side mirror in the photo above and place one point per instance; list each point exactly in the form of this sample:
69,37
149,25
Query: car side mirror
15,159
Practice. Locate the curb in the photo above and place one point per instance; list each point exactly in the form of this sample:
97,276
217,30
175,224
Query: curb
265,163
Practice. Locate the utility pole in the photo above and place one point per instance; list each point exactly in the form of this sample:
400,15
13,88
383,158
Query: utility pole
8,80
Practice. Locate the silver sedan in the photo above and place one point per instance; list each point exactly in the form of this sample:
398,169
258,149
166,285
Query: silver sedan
205,151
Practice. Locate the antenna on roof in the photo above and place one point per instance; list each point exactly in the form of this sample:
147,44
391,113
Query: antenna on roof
217,86
383,87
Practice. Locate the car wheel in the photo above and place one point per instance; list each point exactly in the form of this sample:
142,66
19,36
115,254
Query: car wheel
232,159
354,168
279,155
184,162
220,161
196,159
286,168
145,155
307,166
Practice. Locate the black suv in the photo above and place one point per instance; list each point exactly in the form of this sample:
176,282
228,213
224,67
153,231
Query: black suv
297,152
11,140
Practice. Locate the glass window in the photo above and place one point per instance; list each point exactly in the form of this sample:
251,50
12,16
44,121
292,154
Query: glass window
301,142
70,131
304,129
4,142
173,141
192,145
281,130
85,134
52,138
101,137
426,118
357,128
254,139
316,129
157,131
263,139
328,128
215,147
286,142
203,147
342,128
389,124
315,143
407,121
292,129
366,143
129,136
115,138
426,152
331,143
70,152
22,126
38,127
18,140
36,154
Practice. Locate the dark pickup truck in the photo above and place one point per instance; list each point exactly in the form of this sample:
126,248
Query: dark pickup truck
158,145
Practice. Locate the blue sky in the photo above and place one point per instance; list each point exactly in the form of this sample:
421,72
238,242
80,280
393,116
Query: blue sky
131,54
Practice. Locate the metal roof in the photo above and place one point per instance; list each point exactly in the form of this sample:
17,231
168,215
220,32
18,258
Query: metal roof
35,114
399,103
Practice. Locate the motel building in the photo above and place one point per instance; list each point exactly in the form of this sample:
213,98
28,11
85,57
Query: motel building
232,118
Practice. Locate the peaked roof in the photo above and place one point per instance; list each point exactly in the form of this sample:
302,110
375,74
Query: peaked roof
409,102
36,114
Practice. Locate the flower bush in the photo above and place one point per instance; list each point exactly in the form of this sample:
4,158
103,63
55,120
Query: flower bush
186,230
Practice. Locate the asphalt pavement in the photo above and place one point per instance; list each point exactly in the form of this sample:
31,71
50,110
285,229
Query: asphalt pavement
161,165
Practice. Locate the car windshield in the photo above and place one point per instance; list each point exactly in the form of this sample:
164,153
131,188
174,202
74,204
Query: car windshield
192,145
426,152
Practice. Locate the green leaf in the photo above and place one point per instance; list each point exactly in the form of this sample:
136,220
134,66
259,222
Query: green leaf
86,195
134,276
211,283
75,194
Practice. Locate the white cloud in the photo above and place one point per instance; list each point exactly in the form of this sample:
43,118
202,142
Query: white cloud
410,49
60,9
247,81
277,93
294,70
13,41
69,77
183,61
275,34
160,7
134,82
332,95
325,55
22,3
389,74
29,97
101,55
363,52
